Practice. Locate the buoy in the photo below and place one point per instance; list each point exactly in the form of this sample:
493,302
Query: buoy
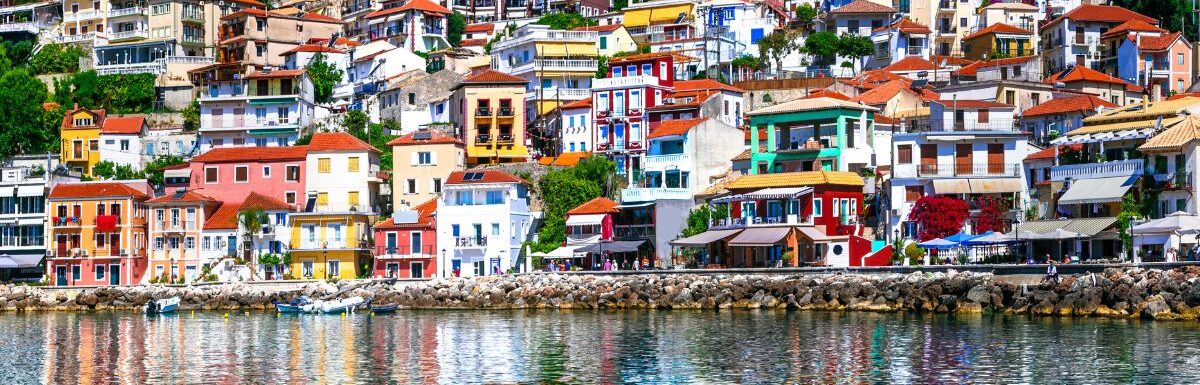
226,315
247,312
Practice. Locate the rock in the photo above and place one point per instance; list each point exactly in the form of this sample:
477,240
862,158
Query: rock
979,294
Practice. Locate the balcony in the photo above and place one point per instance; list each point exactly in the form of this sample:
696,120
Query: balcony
82,15
571,65
947,5
1083,40
1097,170
505,112
504,138
175,227
90,36
915,51
404,251
153,67
806,146
633,232
434,30
650,194
127,11
483,139
929,126
471,242
29,26
1160,72
952,170
733,223
548,35
483,112
194,17
1171,181
564,94
624,82
127,35
66,221
659,162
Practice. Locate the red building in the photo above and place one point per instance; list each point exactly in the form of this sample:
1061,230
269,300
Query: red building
229,174
619,103
406,243
591,222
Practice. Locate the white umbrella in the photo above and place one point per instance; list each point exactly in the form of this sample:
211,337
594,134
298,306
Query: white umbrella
1179,221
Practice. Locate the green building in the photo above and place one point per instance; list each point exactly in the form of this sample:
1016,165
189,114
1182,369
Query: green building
812,134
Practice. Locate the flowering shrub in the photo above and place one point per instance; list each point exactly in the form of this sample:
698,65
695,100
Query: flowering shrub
938,216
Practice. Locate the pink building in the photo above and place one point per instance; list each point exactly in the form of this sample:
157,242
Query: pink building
406,243
229,174
619,102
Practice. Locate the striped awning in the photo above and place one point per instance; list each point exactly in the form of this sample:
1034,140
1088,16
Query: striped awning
1097,190
996,185
951,186
762,236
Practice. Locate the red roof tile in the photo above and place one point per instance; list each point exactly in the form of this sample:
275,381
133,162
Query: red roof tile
581,103
863,6
884,119
566,159
88,190
911,63
188,196
252,154
123,125
312,48
338,141
435,137
827,94
973,68
705,84
276,74
599,28
68,123
417,5
1084,74
906,26
599,205
972,104
225,218
881,94
311,16
1101,13
674,127
425,216
488,176
1132,26
1048,153
472,42
479,27
341,41
254,200
1068,104
950,60
1157,43
998,28
492,76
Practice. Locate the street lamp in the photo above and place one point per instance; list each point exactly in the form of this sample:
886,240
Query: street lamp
444,258
1017,236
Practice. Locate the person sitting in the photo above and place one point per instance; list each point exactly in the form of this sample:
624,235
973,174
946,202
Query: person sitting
1051,273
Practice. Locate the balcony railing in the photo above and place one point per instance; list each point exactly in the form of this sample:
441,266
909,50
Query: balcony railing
82,15
633,232
505,112
924,125
128,35
726,223
624,82
1097,170
471,242
405,251
90,36
663,161
556,65
153,67
30,26
564,94
915,50
66,221
14,241
957,170
118,12
197,17
946,5
1172,181
649,194
548,35
483,112
806,145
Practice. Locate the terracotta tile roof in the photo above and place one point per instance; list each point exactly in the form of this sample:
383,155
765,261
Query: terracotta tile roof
486,176
425,215
884,119
881,94
88,190
479,27
871,78
435,137
600,205
745,155
225,218
472,42
492,76
338,141
312,16
1132,26
275,74
418,5
705,84
1101,13
827,94
1068,104
973,68
254,200
1048,152
796,179
911,63
906,26
674,127
810,105
1184,95
68,123
566,159
581,103
252,154
640,57
600,28
972,104
188,196
1158,43
950,60
680,100
312,48
341,41
1084,74
123,125
863,6
998,28
1174,138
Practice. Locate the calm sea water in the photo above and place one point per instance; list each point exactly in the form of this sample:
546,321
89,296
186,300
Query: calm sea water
608,347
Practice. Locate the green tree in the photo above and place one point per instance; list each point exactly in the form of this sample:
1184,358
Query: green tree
805,13
563,190
854,47
108,170
601,67
16,51
191,116
304,139
776,46
565,21
355,123
56,58
618,5
456,26
823,44
1172,14
250,222
24,123
154,168
698,220
324,76
746,62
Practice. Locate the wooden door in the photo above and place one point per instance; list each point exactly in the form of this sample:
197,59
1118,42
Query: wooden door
995,158
962,159
928,159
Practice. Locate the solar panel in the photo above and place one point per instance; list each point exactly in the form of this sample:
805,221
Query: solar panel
423,135
179,193
916,84
472,176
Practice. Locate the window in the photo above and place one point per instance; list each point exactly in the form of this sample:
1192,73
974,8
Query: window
323,165
75,272
210,175
322,199
158,243
352,198
424,158
260,23
983,116
289,197
206,243
1179,84
99,272
1179,58
913,193
662,71
495,229
852,25
756,34
904,154
241,174
306,269
604,42
437,185
293,173
94,145
334,269
495,197
962,22
266,171
412,98
353,164
124,144
189,243
173,243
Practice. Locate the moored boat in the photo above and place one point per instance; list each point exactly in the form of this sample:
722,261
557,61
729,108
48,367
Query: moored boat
160,306
383,309
340,306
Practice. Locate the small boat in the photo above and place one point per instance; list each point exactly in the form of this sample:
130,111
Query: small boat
345,305
383,309
298,305
165,305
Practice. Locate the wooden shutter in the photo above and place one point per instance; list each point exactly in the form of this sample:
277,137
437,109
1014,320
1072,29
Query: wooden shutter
962,158
995,158
904,154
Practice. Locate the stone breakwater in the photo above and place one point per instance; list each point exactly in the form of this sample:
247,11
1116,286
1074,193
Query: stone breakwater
1157,294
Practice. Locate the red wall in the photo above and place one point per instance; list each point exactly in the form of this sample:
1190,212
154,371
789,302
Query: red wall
226,190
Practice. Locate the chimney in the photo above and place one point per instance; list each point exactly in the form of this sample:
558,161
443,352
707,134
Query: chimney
1145,101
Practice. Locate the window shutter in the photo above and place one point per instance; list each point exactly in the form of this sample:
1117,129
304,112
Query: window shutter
433,157
415,160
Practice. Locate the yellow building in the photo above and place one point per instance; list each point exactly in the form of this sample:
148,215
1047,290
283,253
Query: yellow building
80,139
998,41
486,107
327,245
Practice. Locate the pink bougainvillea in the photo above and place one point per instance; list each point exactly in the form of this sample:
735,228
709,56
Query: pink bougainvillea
938,216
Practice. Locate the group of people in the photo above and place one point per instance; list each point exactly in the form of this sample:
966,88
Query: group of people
564,265
611,265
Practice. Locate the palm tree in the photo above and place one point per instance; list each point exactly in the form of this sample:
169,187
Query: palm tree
250,221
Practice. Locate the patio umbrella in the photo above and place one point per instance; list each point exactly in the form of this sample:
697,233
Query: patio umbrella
991,238
937,243
1179,221
962,236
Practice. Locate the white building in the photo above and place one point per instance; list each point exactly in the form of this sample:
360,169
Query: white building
683,157
559,65
171,141
24,182
483,218
259,109
577,122
1074,38
858,18
121,140
741,23
340,173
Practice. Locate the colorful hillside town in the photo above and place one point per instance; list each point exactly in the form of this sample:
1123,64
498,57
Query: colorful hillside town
423,139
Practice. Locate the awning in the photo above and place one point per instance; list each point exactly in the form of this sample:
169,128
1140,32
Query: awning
705,238
1086,227
19,261
635,205
814,234
7,191
763,236
997,185
951,186
611,247
644,17
559,253
585,219
177,173
273,101
31,191
1097,190
778,193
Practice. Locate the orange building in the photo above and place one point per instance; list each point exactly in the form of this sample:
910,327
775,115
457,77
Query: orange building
97,232
175,231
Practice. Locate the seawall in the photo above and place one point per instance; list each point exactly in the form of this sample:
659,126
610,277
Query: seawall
1129,292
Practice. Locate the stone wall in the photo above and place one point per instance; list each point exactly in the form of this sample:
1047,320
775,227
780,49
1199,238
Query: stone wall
1157,294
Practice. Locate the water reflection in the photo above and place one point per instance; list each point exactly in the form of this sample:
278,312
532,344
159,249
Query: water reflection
643,347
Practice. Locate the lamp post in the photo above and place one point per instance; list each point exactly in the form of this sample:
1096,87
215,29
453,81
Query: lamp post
1017,236
444,257
325,260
